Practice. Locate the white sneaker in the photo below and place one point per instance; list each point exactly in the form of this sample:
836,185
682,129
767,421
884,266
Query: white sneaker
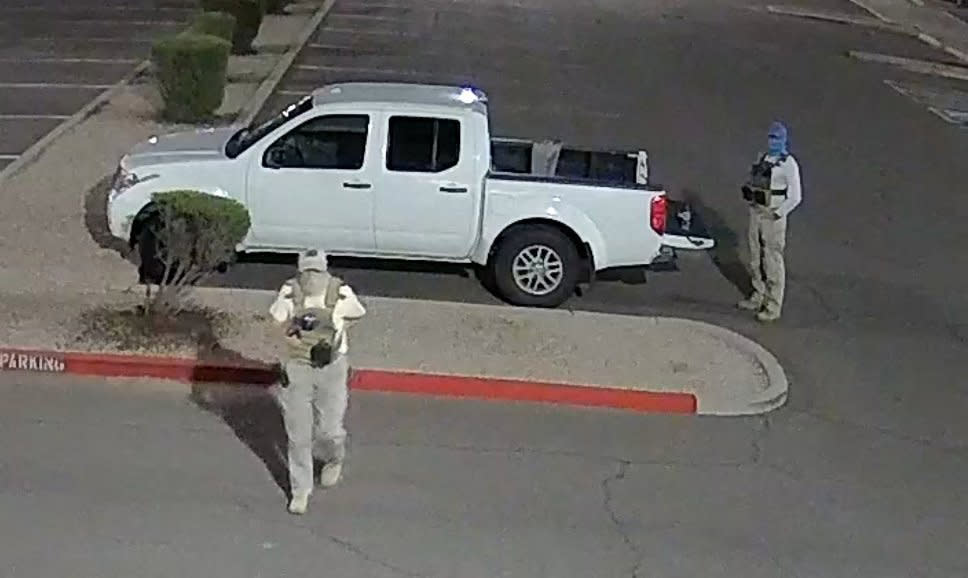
330,475
299,504
767,316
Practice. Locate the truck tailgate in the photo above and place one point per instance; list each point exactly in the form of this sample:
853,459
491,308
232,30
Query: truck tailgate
685,229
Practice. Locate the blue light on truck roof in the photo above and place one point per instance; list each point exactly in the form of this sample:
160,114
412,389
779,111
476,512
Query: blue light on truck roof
467,95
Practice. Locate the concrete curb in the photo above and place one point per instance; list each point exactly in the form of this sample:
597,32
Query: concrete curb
251,373
724,403
254,106
30,155
773,396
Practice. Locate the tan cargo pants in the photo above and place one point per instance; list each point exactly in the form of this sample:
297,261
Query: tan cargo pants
313,406
767,240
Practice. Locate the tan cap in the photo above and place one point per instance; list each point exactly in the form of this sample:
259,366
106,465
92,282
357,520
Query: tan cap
312,260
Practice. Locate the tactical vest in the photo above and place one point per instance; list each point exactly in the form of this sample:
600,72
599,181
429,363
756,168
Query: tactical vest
758,188
311,337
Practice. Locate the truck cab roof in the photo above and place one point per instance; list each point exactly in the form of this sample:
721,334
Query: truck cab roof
394,93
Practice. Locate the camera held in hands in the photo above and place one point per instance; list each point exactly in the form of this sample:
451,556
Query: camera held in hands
306,322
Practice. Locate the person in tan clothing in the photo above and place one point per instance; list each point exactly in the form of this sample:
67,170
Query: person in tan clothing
316,307
773,191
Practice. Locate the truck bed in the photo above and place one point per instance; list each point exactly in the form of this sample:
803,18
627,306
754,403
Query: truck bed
512,158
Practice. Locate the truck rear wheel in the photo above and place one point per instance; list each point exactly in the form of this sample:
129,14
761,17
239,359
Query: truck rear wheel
536,266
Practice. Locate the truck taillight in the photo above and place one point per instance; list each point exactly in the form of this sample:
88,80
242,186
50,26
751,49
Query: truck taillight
657,214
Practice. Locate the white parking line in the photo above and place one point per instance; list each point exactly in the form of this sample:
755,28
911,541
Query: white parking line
46,10
370,32
914,65
34,116
314,68
370,17
89,39
54,85
9,157
71,60
106,21
936,103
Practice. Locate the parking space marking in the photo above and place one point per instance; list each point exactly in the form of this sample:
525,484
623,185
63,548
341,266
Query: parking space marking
914,65
336,30
54,85
34,116
368,17
9,157
89,39
48,60
950,105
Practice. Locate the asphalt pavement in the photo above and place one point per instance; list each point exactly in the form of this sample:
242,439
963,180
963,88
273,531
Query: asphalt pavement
862,473
55,57
145,479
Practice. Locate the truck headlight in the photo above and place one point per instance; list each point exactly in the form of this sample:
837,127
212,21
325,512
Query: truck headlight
124,180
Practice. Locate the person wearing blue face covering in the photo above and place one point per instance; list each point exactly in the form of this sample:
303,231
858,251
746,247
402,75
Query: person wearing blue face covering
772,192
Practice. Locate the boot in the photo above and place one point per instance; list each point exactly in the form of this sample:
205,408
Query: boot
330,475
767,316
299,504
754,303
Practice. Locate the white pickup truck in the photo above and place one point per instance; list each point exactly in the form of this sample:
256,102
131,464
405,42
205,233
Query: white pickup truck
410,171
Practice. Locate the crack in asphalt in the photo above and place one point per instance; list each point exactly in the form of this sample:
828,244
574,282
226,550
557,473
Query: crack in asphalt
762,432
886,432
560,453
364,555
607,498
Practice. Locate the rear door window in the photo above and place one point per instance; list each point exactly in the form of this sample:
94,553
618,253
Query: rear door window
423,144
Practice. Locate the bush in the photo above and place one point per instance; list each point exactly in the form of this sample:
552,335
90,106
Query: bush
191,71
276,6
220,24
193,234
248,19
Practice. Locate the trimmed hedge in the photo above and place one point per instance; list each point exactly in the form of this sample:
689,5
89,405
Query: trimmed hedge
248,18
220,24
191,70
276,6
212,220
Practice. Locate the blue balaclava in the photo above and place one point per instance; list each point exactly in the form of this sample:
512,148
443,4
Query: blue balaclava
777,139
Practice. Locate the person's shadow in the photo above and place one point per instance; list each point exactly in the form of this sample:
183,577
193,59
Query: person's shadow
250,410
725,255
254,417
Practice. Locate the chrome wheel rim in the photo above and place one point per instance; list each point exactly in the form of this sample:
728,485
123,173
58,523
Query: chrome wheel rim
538,270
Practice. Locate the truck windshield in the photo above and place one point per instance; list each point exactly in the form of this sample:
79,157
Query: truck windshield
248,136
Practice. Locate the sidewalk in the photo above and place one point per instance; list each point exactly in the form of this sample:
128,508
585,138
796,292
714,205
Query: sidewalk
929,22
453,349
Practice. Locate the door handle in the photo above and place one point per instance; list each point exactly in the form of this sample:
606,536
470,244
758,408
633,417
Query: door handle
453,189
357,185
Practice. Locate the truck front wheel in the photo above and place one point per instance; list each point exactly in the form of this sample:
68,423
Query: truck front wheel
536,266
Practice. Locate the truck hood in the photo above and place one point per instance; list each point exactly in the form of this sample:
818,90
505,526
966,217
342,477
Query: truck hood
206,144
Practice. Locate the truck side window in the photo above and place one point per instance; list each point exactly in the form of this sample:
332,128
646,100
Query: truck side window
423,144
325,142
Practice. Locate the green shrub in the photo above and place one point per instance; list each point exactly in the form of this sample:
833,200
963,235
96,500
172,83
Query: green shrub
221,24
276,6
191,70
192,234
248,18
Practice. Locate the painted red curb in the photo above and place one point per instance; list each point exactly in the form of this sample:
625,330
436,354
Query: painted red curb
254,373
515,390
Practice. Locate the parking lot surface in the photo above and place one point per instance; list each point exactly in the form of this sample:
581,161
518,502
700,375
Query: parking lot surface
136,479
55,57
874,328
